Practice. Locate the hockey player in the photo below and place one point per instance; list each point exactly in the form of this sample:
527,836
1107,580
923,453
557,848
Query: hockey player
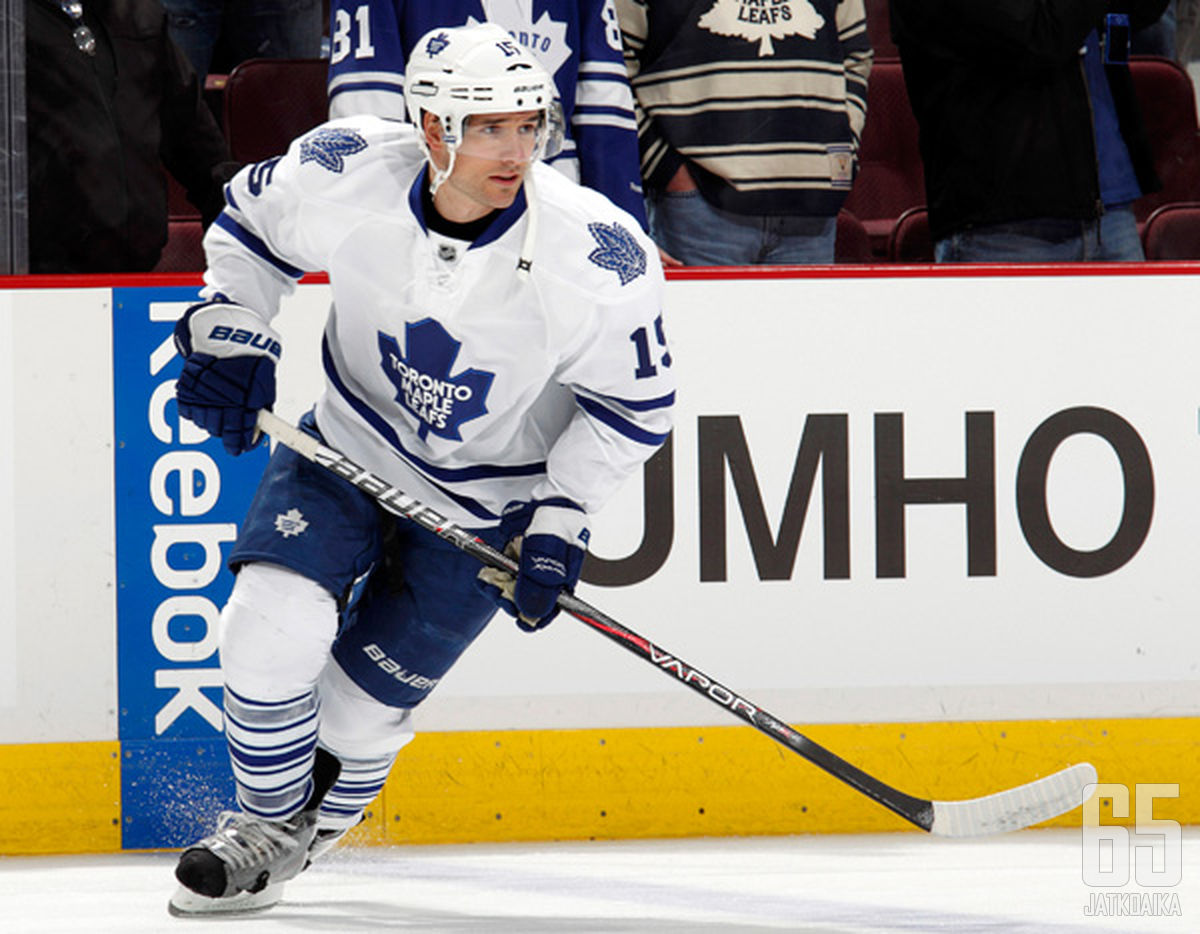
495,348
577,41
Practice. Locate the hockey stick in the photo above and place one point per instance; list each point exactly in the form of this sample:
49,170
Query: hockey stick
1003,811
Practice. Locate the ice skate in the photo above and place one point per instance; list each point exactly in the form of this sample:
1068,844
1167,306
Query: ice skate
243,865
186,903
324,841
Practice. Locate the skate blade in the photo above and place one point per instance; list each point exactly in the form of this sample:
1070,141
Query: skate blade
187,904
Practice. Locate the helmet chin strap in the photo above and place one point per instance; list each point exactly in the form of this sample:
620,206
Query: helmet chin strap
437,176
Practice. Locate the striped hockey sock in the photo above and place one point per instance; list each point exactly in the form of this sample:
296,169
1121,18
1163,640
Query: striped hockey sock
358,784
271,748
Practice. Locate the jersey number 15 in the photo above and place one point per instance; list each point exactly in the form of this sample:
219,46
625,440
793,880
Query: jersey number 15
641,342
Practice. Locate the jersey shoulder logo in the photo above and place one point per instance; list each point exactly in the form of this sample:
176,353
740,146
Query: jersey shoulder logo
421,373
617,250
329,148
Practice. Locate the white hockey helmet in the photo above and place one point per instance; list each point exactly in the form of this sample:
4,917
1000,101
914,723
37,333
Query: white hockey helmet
458,72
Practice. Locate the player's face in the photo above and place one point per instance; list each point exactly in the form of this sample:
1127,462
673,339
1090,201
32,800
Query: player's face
493,157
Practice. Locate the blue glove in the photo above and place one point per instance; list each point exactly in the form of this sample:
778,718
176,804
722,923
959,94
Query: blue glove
228,371
548,539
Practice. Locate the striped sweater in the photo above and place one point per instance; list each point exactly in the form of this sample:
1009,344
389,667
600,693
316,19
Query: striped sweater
764,100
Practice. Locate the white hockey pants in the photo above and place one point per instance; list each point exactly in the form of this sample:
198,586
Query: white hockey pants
284,695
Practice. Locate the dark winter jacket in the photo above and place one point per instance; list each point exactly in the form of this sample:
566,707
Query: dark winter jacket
102,127
1000,96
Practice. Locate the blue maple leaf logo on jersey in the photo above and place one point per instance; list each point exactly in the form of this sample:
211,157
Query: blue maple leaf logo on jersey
329,148
618,251
437,44
424,386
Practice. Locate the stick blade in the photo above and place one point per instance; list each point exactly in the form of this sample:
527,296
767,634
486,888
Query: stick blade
1016,808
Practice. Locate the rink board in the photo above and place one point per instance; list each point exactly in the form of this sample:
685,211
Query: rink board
498,786
989,483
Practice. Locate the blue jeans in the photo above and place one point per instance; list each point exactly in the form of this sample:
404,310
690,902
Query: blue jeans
1114,238
698,234
216,35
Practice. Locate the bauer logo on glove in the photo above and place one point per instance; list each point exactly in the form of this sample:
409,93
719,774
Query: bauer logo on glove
548,540
228,371
257,340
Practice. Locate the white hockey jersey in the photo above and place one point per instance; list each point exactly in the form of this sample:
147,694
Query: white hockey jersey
463,383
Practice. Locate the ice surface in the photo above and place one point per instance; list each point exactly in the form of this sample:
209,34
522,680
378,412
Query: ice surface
1025,882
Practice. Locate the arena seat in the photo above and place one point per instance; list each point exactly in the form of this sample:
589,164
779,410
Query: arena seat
890,178
853,243
184,251
1172,232
879,30
178,206
909,241
1167,100
271,101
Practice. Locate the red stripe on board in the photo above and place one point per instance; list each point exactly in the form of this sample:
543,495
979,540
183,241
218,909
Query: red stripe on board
701,273
122,280
933,271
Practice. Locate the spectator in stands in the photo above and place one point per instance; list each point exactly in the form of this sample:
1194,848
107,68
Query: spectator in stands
110,102
217,35
577,41
1031,139
749,122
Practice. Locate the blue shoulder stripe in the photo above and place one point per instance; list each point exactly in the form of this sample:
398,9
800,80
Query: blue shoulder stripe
642,405
256,246
616,422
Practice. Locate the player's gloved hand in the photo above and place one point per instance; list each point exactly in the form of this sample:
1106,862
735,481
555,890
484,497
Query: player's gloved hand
548,539
229,356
